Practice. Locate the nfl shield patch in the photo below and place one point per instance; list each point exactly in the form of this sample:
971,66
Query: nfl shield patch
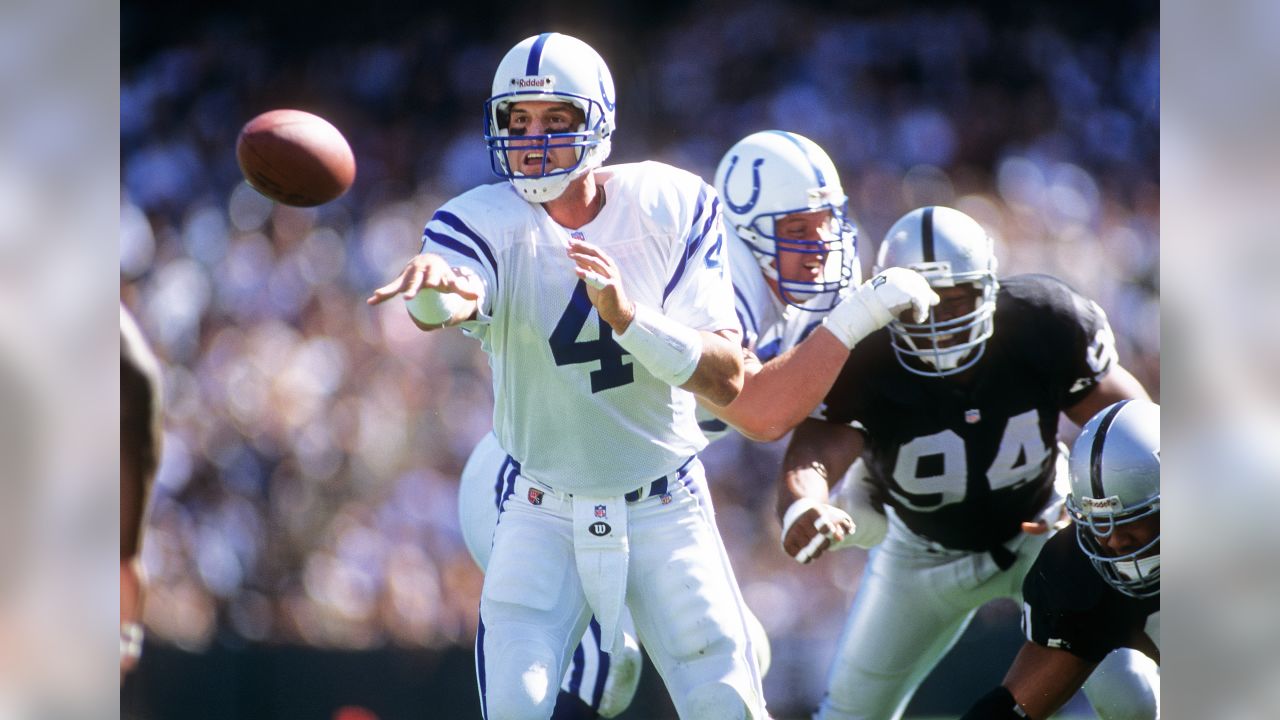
535,496
601,511
972,416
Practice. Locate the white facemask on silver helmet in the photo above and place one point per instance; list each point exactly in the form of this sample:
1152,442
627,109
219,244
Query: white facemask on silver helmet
1115,480
949,249
772,174
550,67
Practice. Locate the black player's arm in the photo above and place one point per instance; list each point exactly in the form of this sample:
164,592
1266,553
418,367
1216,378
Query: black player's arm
1041,680
818,455
1118,384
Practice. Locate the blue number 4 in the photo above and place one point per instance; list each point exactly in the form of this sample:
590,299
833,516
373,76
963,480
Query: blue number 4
567,350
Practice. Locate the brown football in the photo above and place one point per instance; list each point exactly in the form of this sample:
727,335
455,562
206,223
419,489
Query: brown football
295,158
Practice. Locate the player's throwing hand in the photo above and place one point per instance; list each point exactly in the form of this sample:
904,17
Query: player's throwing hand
604,284
427,271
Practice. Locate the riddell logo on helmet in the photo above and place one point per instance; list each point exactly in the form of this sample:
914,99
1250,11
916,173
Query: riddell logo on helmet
1092,506
533,81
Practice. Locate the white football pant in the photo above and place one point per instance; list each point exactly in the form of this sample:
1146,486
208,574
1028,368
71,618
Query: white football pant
605,683
680,590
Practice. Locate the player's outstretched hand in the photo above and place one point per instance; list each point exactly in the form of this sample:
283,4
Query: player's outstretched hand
809,529
878,301
604,284
427,271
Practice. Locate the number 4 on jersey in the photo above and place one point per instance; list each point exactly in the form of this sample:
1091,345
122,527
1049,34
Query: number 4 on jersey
568,350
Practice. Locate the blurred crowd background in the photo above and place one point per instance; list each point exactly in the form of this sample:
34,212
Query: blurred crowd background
307,493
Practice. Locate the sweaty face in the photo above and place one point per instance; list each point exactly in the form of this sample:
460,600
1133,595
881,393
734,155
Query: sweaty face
1131,537
536,117
955,302
805,265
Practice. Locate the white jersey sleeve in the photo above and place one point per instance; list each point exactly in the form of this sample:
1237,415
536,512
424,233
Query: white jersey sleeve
461,243
699,292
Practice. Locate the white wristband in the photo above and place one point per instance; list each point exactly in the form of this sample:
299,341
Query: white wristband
857,316
435,308
666,348
795,510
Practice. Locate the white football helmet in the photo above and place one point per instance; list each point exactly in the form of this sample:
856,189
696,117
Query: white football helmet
1115,480
556,68
770,174
948,248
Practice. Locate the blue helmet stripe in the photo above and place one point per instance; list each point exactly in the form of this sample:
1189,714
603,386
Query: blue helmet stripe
535,54
817,172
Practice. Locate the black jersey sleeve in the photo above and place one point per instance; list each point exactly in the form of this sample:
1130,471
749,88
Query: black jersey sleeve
1065,602
1076,343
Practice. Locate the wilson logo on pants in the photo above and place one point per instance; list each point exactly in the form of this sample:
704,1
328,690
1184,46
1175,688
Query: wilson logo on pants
600,529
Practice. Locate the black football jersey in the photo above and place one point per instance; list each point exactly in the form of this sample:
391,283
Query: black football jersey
1069,606
964,463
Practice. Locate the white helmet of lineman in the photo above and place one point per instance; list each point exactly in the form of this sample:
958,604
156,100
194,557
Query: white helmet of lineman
556,68
1115,480
948,248
770,174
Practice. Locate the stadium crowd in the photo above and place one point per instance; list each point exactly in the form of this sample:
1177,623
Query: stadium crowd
307,492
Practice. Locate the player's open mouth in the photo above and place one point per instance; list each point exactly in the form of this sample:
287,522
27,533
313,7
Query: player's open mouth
533,158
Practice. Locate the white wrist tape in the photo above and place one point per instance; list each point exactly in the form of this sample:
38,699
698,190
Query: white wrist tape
795,510
857,316
435,308
666,348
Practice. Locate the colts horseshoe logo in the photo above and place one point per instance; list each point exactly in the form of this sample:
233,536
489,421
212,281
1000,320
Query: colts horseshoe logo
604,94
755,186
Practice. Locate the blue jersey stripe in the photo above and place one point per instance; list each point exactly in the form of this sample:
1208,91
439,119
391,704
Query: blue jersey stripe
454,222
535,54
602,672
694,238
744,306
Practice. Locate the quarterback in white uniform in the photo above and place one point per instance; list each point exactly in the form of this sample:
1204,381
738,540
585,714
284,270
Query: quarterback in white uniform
793,258
602,299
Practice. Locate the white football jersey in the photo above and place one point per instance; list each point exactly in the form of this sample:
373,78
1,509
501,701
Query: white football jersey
575,409
770,326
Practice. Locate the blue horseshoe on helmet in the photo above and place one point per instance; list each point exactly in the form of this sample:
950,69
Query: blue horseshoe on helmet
755,186
604,95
